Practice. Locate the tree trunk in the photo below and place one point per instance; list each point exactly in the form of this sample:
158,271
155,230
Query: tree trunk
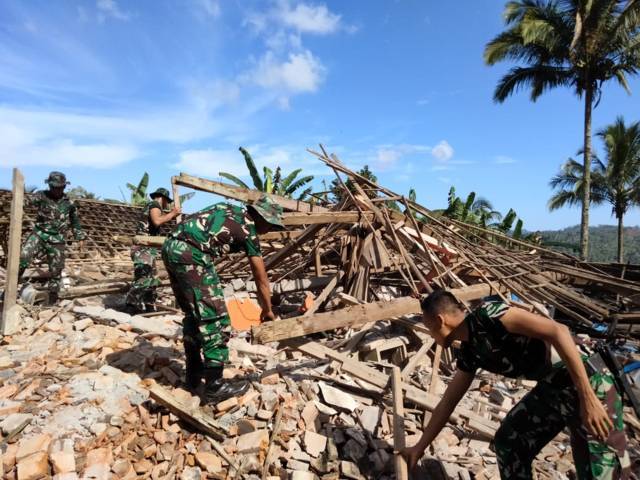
586,195
620,240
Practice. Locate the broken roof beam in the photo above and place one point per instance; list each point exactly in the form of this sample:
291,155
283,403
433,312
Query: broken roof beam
312,218
243,194
355,315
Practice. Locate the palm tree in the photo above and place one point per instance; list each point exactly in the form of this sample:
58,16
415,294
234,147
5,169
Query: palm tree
483,209
616,182
276,183
579,44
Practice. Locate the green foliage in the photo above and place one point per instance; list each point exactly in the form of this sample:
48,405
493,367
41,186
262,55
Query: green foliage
603,239
507,221
139,192
82,193
337,191
273,182
579,44
517,231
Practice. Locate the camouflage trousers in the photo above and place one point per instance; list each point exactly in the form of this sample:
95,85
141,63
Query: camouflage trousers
544,412
197,289
145,283
54,253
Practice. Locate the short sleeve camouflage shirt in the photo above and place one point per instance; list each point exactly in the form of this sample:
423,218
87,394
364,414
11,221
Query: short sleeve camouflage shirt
220,229
491,347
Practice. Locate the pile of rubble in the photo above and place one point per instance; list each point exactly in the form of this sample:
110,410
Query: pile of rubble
93,393
343,378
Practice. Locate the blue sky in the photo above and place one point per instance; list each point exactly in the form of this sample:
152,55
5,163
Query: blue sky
107,89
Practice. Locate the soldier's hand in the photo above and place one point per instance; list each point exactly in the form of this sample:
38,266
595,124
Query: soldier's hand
176,211
595,417
267,316
81,246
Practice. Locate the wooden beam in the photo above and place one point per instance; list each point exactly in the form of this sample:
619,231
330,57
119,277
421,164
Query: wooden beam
416,358
354,315
312,218
176,197
193,416
399,441
13,250
326,291
244,195
435,378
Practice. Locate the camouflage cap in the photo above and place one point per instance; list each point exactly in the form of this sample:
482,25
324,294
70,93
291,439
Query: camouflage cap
57,179
162,192
267,209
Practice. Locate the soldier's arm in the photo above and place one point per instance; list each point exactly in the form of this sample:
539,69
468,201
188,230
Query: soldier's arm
440,416
521,322
78,233
261,278
158,218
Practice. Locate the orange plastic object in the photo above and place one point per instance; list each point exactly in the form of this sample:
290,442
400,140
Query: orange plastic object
308,302
243,313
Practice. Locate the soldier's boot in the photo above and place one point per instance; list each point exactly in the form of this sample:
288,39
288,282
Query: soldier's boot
52,298
194,366
217,389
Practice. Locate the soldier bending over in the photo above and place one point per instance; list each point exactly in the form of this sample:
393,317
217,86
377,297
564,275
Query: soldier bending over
188,255
569,393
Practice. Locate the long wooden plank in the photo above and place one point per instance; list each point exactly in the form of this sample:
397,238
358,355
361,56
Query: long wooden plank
416,358
13,254
399,441
244,195
194,416
353,316
312,218
176,197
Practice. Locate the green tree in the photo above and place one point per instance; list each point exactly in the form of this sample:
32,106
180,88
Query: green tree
580,44
81,192
616,181
139,192
338,193
276,183
484,211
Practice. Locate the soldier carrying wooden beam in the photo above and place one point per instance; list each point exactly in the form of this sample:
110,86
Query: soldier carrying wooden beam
188,254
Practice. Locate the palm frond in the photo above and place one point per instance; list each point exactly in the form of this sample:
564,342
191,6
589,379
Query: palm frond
234,179
297,184
253,171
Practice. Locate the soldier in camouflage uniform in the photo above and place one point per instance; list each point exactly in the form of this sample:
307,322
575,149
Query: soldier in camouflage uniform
56,214
188,254
573,390
142,294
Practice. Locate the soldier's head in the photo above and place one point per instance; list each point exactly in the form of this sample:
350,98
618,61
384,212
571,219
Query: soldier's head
162,196
442,315
266,214
57,181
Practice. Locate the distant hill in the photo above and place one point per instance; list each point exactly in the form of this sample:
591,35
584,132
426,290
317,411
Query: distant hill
603,241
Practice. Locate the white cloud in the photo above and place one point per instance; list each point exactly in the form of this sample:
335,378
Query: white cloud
388,156
442,151
444,180
308,18
19,147
110,8
504,160
209,162
210,7
301,72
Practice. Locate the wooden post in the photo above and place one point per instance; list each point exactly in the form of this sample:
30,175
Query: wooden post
176,197
398,425
13,250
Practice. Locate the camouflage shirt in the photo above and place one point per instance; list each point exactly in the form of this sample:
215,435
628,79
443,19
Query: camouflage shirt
491,347
144,225
220,229
54,218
